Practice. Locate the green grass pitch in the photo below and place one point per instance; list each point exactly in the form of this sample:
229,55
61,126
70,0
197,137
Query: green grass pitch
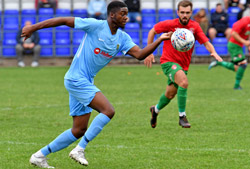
34,110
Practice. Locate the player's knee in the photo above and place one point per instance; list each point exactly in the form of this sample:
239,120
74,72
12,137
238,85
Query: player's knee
170,95
110,112
184,84
78,131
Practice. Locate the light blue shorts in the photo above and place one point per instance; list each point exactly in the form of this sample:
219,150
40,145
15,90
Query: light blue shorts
81,93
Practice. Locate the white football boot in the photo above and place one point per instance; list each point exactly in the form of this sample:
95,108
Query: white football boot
39,161
78,156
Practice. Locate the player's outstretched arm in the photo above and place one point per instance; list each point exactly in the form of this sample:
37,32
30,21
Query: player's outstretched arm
28,30
212,51
141,54
151,58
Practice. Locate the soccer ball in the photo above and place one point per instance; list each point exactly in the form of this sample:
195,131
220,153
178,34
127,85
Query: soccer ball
182,39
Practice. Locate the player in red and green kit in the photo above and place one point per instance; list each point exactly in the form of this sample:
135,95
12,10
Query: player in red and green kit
239,37
175,64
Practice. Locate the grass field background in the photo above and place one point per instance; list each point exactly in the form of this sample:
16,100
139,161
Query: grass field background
34,110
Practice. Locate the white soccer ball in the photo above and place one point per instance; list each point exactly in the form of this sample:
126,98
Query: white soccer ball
182,39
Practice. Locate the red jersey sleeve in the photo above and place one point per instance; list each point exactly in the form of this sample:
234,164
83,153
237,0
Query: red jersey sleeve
242,27
199,34
239,26
162,26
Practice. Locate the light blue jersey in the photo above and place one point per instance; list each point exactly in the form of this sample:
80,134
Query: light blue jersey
97,49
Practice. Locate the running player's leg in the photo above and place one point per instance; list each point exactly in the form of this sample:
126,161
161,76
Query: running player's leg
239,74
169,69
227,65
238,59
106,111
80,95
236,55
164,100
182,81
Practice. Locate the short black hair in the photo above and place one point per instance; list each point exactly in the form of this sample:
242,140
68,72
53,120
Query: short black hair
114,6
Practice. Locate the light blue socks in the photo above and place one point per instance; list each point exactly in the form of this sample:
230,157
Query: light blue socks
67,138
94,129
61,142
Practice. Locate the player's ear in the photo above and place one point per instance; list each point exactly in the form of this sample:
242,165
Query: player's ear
112,15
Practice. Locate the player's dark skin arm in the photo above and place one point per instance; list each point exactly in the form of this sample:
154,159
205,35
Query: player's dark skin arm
136,52
141,54
28,30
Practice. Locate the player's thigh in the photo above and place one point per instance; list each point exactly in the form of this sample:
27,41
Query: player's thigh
101,104
181,79
170,69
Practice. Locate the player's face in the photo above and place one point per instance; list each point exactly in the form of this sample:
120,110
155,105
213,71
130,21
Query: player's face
184,14
121,17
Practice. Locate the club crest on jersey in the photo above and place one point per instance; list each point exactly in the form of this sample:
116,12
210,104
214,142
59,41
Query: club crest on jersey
106,54
174,67
117,46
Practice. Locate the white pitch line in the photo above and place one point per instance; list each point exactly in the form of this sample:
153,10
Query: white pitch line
31,107
57,105
142,147
54,106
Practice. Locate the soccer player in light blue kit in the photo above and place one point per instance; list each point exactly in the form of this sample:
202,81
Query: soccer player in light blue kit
102,41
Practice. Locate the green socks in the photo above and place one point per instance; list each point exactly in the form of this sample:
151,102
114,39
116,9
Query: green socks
228,65
163,102
239,75
182,97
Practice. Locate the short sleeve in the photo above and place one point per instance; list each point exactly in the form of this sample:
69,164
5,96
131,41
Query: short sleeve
86,24
199,35
162,26
239,26
127,43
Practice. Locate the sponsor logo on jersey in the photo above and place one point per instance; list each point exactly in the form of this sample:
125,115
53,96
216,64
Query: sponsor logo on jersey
97,51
